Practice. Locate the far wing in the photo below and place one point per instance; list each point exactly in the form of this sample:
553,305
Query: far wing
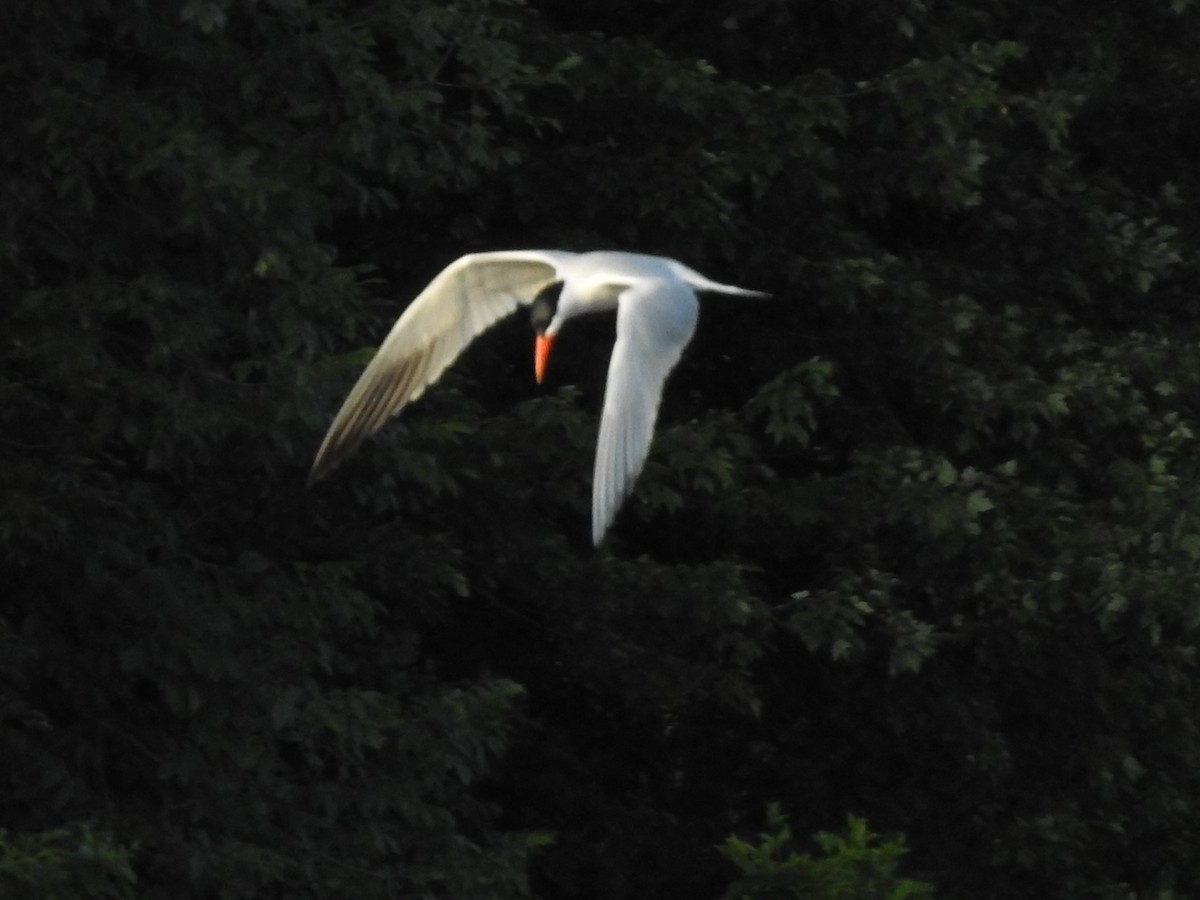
467,297
655,321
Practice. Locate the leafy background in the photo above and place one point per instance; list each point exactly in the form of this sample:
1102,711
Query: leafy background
918,540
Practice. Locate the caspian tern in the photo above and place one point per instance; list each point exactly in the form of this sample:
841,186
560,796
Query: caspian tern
656,305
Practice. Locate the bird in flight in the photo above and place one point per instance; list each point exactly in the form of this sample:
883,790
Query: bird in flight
655,300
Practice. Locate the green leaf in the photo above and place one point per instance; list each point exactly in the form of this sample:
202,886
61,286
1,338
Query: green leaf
978,502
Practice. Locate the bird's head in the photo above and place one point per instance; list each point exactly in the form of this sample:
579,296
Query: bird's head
543,315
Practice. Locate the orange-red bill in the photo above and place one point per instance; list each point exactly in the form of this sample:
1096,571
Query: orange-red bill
541,353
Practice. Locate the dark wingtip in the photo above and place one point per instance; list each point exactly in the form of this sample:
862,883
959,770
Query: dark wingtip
321,467
329,457
332,455
314,475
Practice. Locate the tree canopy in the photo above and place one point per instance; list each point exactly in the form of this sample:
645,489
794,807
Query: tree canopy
918,542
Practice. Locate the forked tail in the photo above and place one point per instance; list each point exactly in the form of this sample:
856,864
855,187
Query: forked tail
701,283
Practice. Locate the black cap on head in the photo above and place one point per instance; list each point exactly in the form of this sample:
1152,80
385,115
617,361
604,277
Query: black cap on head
544,305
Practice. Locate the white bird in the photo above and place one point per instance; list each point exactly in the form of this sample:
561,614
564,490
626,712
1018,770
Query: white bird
656,305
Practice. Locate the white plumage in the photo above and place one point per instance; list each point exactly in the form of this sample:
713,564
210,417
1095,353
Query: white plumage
656,304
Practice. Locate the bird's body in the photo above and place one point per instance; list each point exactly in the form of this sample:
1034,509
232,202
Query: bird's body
656,305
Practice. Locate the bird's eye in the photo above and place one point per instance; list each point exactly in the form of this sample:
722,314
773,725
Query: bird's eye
544,305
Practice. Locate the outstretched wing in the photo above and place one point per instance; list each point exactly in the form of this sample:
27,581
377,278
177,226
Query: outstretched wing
467,297
655,321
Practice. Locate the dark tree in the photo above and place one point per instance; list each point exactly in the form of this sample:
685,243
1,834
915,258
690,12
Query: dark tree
917,541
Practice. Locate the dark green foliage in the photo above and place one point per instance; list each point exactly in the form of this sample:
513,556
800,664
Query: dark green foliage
918,538
194,662
65,863
855,867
